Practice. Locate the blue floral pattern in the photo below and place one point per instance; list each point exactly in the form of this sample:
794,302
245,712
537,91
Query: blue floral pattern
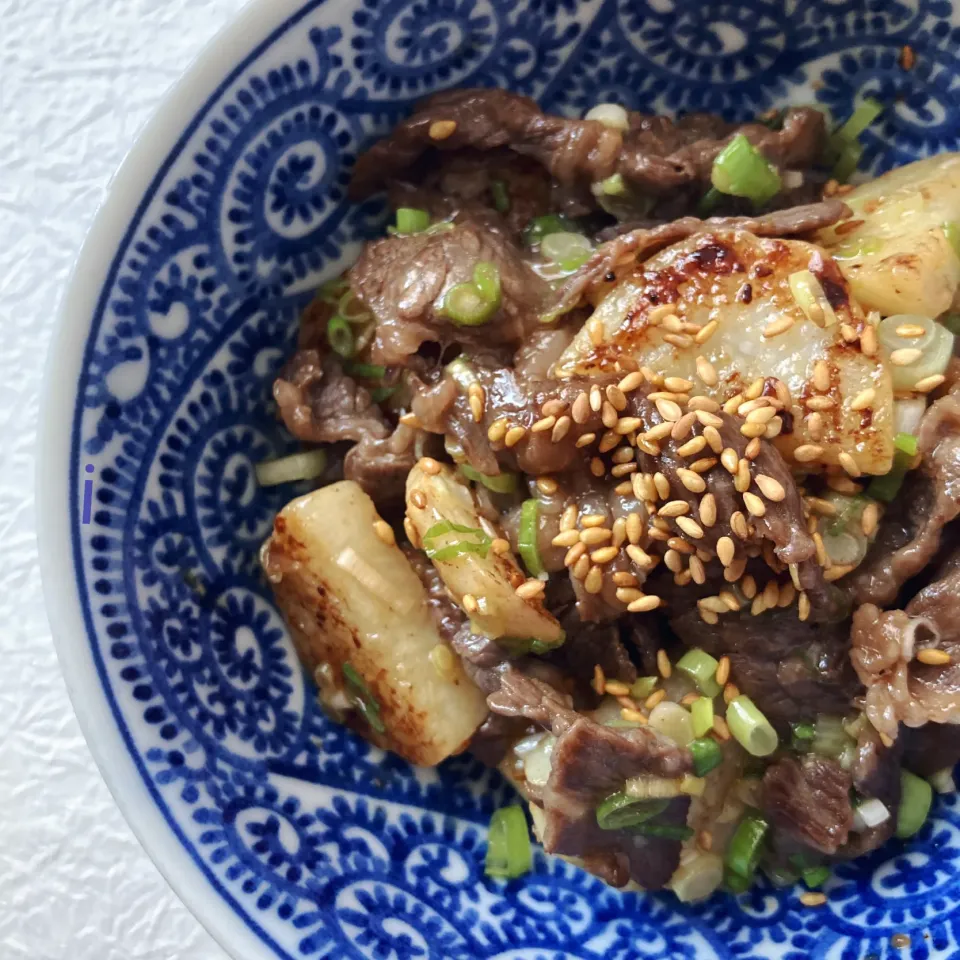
324,845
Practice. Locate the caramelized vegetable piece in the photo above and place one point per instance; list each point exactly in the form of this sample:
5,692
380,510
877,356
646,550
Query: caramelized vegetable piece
895,251
719,310
360,622
466,567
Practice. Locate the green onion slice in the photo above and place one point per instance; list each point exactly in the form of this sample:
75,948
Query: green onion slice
528,536
642,687
539,227
620,811
706,753
466,306
906,443
379,394
815,876
340,336
351,308
486,278
887,487
501,196
509,853
569,251
746,845
740,170
333,290
803,733
412,220
365,700
366,371
701,710
862,117
916,796
307,465
750,727
501,483
734,883
700,667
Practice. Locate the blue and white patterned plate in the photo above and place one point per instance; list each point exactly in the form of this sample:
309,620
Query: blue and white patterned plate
287,835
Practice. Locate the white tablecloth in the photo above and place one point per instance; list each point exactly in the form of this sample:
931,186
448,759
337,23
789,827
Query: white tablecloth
78,78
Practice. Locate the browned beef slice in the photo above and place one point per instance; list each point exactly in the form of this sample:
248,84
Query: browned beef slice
910,534
402,280
809,798
656,154
791,669
589,763
901,689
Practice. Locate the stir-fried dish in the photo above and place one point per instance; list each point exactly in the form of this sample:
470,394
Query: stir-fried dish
636,451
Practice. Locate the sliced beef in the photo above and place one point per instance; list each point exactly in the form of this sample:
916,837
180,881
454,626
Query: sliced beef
809,798
910,533
932,747
403,280
656,154
791,669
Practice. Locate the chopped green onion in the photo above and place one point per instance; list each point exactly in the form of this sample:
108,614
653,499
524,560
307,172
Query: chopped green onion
333,290
667,831
860,119
509,853
539,227
708,202
803,733
380,394
700,667
906,443
457,547
466,306
702,712
741,170
412,220
569,251
750,727
365,700
486,278
501,196
614,185
307,465
673,721
843,148
746,845
520,646
847,162
528,536
706,753
642,687
620,811
351,308
366,371
816,876
734,883
916,796
886,488
340,336
501,483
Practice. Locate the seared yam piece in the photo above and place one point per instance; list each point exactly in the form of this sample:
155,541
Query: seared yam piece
356,609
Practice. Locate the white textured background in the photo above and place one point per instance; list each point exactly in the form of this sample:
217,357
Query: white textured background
78,78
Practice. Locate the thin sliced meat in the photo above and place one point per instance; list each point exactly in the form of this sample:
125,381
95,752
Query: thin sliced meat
403,280
656,154
910,534
808,798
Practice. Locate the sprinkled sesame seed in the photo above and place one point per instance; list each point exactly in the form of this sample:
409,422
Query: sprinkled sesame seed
848,463
623,489
905,356
673,561
815,426
820,403
926,384
868,340
660,432
713,604
418,499
869,519
530,589
581,567
730,692
692,481
674,508
497,431
808,452
632,716
669,410
738,524
813,899
741,482
596,398
788,593
616,397
574,554
771,488
707,404
593,581
597,468
679,340
730,599
726,550
442,129
619,531
933,657
652,376
755,389
593,520
384,532
623,469
604,555
595,331
681,429
706,372
697,570
752,450
634,527
781,325
581,408
771,594
863,399
599,680
848,333
663,662
551,408
568,519
762,415
609,415
566,538
541,426
723,670
730,460
690,527
595,535
757,606
843,484
476,407
732,405
708,510
681,546
706,332
713,438
692,447
584,440
560,429
753,429
708,616
709,419
662,484
616,689
631,382
654,698
624,578
645,605
639,556
625,425
514,435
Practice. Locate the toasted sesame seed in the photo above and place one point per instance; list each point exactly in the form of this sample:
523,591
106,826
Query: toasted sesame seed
419,499
616,689
738,524
497,431
669,410
771,594
631,382
720,728
757,606
706,372
623,469
581,567
568,519
384,532
910,331
752,430
679,340
752,450
476,406
715,604
574,554
625,425
660,432
848,333
869,519
703,464
692,447
673,561
530,589
788,593
773,428
596,398
632,716
726,550
926,384
807,452
732,405
560,429
442,129
599,680
730,692
514,435
820,403
566,538
709,419
760,403
593,520
584,440
677,384
905,356
690,527
776,327
634,527
597,468
624,578
730,599
813,899
593,536
604,555
616,398
593,581
708,616
541,426
762,415
815,426
723,670
730,460
663,662
681,429
843,484
706,332
836,571
754,390
551,408
868,341
619,531
595,331
863,399
652,376
654,698
741,482
623,455
822,558
783,393
681,546
662,484
692,481
623,489
639,556
713,438
706,404
609,415
672,323
933,657
848,463
708,510
645,605
697,570
469,603
771,488
658,523
581,408
674,508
